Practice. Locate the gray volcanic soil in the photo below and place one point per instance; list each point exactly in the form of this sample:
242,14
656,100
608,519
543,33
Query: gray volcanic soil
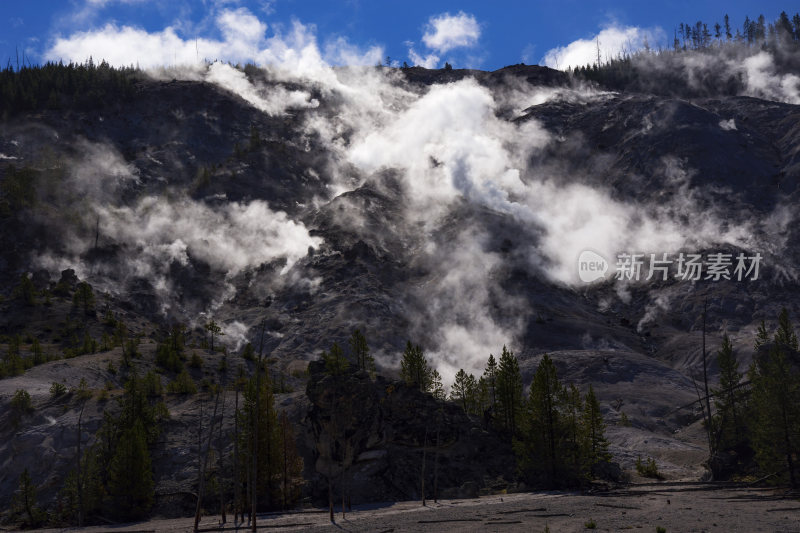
675,507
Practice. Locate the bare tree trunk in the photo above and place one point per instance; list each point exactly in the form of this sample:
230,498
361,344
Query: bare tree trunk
79,472
237,492
424,457
342,484
255,428
284,422
201,484
436,460
705,383
330,492
221,461
330,464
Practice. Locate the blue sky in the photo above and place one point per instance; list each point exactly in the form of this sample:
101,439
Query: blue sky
476,34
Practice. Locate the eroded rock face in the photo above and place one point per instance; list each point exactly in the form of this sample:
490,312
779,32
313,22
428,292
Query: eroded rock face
384,429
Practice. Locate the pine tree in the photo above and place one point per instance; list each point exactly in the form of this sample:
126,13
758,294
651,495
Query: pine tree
291,463
539,452
340,449
594,427
360,352
26,291
336,363
460,392
259,418
575,467
84,298
490,375
509,392
728,422
775,386
414,368
130,476
762,336
23,503
437,387
214,331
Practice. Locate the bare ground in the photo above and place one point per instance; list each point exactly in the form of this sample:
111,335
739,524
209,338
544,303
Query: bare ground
680,506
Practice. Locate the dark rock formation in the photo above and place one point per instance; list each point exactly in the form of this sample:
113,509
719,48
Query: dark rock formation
383,429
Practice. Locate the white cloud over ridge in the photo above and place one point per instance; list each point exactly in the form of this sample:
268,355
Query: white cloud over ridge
613,40
244,39
445,32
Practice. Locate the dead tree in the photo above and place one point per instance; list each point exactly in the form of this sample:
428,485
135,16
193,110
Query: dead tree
204,464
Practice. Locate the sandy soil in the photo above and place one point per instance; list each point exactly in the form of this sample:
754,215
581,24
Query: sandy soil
683,507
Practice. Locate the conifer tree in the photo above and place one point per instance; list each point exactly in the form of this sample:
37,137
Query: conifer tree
728,421
762,336
509,392
414,368
214,331
437,387
83,298
490,375
258,418
775,385
291,463
23,503
572,446
594,427
466,392
360,351
130,476
336,363
540,453
459,392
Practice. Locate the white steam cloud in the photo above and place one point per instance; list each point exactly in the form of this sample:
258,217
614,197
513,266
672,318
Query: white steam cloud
764,82
229,238
612,41
273,101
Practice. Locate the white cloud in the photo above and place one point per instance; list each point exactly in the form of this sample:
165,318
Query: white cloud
446,32
244,39
612,41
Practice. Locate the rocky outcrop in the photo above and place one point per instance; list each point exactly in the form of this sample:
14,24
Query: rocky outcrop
381,430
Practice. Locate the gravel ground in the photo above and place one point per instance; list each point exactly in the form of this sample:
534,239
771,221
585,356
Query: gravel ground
677,507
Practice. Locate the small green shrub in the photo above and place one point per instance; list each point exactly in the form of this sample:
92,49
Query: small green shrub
660,529
21,402
57,389
195,361
183,384
591,524
648,468
21,405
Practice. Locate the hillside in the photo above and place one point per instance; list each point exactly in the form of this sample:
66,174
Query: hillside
445,207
